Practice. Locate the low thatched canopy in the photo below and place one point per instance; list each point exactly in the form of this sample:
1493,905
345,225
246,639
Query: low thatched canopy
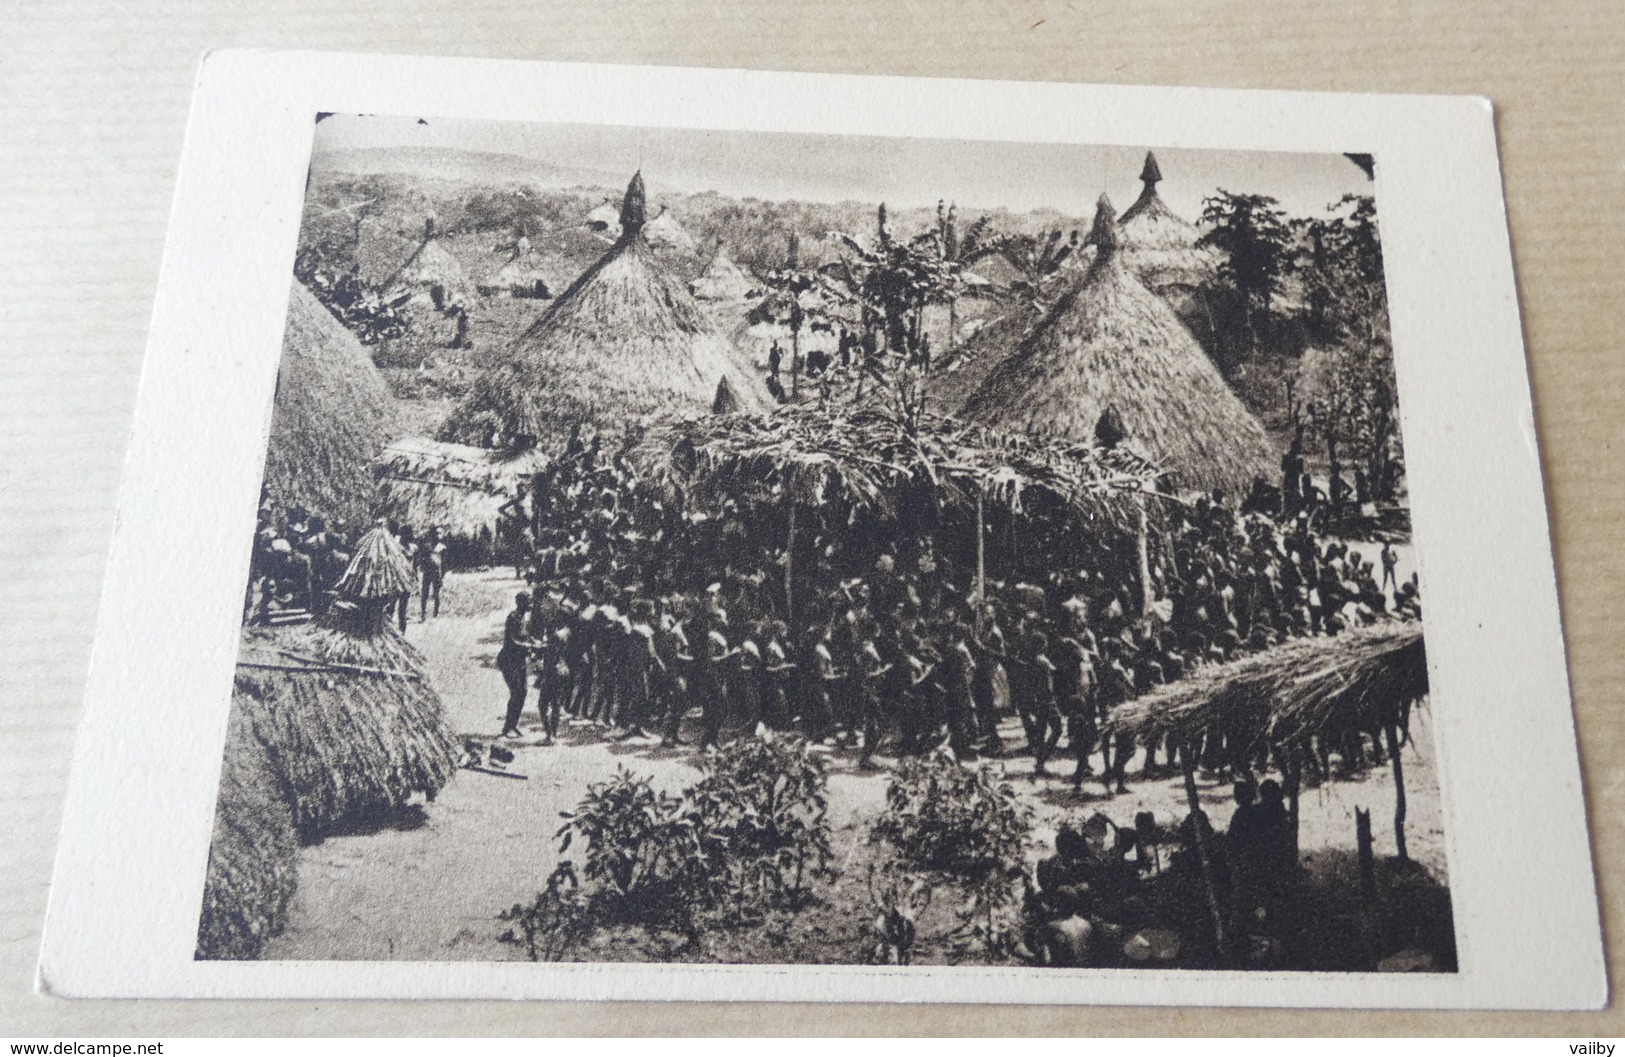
1111,345
624,343
253,866
332,416
867,455
1360,680
456,488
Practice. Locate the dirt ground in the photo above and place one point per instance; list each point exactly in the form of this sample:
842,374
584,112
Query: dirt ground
428,884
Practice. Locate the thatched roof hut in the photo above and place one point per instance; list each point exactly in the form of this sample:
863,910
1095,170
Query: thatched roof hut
456,488
253,868
431,274
624,343
333,414
345,707
722,280
665,233
605,219
1159,245
1110,345
522,275
1361,680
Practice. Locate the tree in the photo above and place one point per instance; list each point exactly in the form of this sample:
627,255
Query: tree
1256,244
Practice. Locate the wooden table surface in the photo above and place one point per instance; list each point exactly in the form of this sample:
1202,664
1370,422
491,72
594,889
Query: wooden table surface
93,104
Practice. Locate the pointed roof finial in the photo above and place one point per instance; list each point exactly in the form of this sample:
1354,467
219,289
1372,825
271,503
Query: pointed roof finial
1103,235
1151,174
634,208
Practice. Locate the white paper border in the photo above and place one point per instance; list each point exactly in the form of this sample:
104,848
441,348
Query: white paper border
128,884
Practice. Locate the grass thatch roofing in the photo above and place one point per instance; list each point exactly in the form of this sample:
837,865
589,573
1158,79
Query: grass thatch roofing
1360,680
352,725
332,416
456,488
1158,244
1110,343
430,266
252,869
722,280
956,379
519,274
866,454
665,233
625,342
380,569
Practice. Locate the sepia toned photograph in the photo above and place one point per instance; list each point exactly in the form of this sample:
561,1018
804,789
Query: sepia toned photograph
753,548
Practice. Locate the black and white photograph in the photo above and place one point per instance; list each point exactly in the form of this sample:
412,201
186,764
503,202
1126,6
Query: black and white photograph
761,548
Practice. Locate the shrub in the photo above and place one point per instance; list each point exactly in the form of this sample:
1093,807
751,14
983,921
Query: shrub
961,821
750,834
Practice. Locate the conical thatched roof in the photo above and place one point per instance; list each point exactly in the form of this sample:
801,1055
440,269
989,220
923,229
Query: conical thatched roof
522,275
722,279
1110,343
380,569
665,233
333,415
605,218
432,266
624,342
1158,244
455,488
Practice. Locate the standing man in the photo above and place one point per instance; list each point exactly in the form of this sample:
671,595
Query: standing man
1390,562
511,661
431,563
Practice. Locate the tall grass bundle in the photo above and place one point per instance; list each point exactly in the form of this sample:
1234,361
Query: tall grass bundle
379,571
1360,680
252,869
456,488
352,725
626,342
1111,344
332,416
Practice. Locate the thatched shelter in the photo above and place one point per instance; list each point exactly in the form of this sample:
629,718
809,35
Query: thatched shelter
431,275
522,275
344,705
625,343
456,488
253,867
722,281
1362,680
605,219
1112,347
333,414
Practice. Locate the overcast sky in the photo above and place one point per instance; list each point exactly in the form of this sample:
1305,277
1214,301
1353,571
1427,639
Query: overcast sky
902,172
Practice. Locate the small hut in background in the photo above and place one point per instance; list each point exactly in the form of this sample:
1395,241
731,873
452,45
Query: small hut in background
664,233
332,722
431,276
456,488
722,281
625,343
522,275
605,220
332,416
1112,348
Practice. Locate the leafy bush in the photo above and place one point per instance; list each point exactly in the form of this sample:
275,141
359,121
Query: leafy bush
750,834
764,799
964,822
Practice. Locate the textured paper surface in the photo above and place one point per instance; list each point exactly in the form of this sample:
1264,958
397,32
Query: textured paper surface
97,142
141,799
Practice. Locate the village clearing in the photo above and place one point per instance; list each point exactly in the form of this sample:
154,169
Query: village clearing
428,883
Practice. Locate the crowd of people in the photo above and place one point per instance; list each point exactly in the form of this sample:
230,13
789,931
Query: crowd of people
643,608
299,557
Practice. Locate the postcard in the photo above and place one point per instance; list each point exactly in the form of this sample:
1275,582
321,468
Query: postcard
639,533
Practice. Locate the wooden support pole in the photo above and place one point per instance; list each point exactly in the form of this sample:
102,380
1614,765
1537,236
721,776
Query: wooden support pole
1215,907
1399,792
1144,548
790,569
